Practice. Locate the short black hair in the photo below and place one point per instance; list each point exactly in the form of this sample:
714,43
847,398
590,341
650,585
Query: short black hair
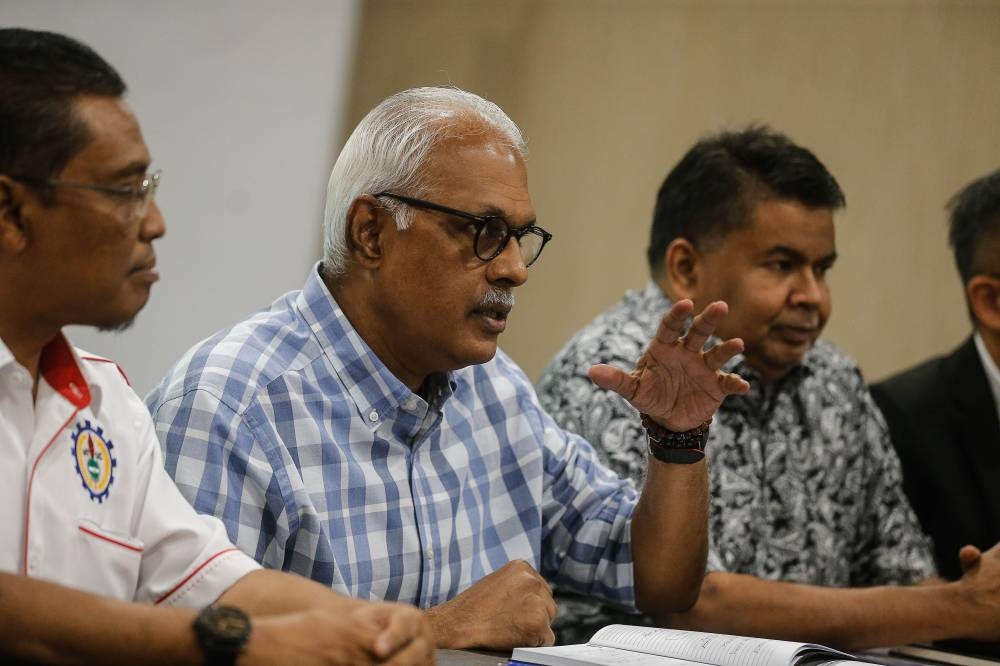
41,75
720,180
974,228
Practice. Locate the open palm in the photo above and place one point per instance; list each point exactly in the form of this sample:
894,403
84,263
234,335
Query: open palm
674,382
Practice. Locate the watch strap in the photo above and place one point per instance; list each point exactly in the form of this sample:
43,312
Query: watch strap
676,456
682,448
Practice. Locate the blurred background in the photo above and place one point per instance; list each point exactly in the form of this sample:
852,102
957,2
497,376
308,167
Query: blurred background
245,105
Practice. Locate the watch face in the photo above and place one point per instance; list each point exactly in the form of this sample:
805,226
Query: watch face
230,625
222,629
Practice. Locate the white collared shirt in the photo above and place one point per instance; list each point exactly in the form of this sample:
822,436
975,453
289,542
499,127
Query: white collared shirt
992,372
86,501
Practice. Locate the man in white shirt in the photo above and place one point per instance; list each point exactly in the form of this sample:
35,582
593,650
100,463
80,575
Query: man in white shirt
93,524
944,414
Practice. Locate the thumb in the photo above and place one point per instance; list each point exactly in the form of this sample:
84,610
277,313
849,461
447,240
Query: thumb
397,632
968,557
614,379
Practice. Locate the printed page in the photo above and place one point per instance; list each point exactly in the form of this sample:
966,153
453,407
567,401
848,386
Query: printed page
716,649
591,655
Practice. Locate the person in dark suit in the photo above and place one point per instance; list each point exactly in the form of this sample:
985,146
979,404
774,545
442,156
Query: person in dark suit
944,415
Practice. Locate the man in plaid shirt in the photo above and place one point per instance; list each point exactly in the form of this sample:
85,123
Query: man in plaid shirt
366,432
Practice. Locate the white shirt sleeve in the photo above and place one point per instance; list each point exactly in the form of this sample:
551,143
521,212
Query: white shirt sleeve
188,558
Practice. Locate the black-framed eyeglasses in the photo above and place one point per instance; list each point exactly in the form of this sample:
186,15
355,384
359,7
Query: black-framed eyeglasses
492,231
142,194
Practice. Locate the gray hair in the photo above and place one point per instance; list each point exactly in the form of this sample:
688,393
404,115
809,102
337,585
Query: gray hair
389,147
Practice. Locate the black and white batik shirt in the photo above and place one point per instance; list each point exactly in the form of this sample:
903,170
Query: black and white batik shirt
805,484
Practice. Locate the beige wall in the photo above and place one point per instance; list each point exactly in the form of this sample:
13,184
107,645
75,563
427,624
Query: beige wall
901,101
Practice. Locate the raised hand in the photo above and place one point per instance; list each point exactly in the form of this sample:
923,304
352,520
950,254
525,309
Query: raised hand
511,607
675,382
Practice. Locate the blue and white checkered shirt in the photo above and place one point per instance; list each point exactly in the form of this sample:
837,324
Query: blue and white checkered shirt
321,462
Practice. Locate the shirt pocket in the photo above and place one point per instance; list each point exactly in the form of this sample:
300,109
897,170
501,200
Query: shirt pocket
109,561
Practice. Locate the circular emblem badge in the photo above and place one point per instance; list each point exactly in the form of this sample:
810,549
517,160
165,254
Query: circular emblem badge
94,461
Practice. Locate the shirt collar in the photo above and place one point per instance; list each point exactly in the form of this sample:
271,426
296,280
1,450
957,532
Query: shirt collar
376,392
60,367
990,366
6,357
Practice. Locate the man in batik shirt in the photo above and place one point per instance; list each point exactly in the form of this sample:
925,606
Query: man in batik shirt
813,538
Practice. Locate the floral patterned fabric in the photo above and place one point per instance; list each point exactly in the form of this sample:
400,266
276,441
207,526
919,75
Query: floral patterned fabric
805,484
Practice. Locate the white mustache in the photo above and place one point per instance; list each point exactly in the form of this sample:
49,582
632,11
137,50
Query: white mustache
497,299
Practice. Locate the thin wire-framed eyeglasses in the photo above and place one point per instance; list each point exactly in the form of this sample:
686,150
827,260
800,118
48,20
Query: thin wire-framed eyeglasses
492,232
142,194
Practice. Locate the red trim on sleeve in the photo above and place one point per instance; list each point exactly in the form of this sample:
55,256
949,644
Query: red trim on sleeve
58,366
31,480
193,573
110,540
98,359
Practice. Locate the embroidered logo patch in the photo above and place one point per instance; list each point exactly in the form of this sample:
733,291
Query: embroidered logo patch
94,461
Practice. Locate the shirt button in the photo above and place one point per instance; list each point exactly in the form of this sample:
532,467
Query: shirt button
410,403
429,554
373,416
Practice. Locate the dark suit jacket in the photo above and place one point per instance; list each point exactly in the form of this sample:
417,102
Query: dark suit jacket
943,422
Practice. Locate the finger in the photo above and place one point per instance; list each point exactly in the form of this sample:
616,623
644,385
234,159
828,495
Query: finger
552,609
733,384
614,379
369,622
704,325
968,556
400,631
672,323
416,652
719,355
546,587
526,567
548,638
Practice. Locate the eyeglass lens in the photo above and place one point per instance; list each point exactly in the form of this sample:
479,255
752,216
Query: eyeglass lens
493,236
147,193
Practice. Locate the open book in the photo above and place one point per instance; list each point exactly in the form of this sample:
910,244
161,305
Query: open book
619,644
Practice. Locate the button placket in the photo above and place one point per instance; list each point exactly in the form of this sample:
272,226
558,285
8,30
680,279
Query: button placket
425,530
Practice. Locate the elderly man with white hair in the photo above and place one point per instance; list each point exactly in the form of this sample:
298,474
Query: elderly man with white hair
366,432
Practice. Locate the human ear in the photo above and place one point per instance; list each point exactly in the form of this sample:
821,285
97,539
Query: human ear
365,223
13,236
682,268
983,292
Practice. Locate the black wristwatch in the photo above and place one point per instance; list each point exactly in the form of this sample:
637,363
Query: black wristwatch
222,632
681,448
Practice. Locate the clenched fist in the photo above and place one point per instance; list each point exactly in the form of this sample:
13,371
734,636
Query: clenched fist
511,607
